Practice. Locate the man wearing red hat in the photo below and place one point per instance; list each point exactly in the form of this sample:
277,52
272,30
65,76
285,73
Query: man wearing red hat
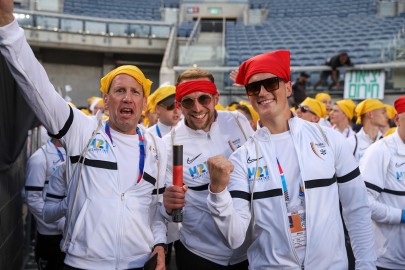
287,182
204,132
383,170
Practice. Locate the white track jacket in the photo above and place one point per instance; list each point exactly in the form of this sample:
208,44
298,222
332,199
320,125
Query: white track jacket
198,231
329,174
383,170
106,228
40,167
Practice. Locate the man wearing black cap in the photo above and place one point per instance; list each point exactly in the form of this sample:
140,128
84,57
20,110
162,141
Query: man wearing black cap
300,89
339,60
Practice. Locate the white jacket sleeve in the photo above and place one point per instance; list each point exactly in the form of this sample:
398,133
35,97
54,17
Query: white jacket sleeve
35,183
50,108
56,201
230,209
374,167
355,209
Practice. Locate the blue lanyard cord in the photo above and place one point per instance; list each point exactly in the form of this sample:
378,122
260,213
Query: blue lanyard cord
285,189
141,148
61,158
158,131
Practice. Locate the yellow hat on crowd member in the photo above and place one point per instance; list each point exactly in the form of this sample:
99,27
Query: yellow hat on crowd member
366,106
219,107
71,104
160,94
231,107
293,109
85,111
322,96
316,106
149,103
390,131
132,71
253,113
347,106
94,101
391,112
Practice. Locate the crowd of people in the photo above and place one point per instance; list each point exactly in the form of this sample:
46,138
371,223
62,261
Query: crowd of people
264,185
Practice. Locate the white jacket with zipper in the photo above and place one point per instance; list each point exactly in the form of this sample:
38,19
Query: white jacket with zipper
106,228
329,174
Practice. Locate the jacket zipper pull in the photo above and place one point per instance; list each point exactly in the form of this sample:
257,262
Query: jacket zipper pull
122,196
208,136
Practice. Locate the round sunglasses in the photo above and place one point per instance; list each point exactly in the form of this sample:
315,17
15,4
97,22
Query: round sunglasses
188,103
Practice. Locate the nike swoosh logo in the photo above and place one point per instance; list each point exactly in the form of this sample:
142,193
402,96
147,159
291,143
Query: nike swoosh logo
189,161
253,160
399,165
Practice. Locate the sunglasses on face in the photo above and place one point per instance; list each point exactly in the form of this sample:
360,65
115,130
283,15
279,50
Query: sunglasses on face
188,103
304,109
270,84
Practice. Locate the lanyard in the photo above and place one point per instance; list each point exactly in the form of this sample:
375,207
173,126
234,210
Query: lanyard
285,189
141,148
61,158
158,131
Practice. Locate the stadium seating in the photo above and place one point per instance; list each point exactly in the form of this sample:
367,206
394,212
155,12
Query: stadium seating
314,30
119,9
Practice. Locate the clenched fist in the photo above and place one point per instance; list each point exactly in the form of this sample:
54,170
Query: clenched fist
220,169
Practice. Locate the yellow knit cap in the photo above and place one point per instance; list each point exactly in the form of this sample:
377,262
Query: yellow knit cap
160,94
132,71
322,96
232,107
149,103
219,107
391,112
253,113
316,106
347,106
366,106
390,131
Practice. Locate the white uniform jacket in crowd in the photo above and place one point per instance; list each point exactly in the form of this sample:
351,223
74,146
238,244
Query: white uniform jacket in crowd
40,167
383,170
329,174
106,227
198,231
360,142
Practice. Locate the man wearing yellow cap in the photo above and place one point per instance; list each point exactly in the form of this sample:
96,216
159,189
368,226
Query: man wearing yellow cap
115,169
372,114
95,104
247,110
292,173
204,132
383,170
311,110
168,113
342,115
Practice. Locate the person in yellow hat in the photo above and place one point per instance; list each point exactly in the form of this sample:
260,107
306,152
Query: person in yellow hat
115,168
342,115
168,113
391,112
311,110
253,113
327,100
95,104
372,114
383,171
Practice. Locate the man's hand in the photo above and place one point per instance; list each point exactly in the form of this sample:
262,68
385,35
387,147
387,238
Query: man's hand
174,197
220,169
161,263
6,12
232,76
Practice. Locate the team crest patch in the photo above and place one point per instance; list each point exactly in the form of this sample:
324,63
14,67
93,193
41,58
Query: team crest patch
319,149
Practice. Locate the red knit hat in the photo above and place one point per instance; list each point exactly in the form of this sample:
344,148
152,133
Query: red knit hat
399,105
276,62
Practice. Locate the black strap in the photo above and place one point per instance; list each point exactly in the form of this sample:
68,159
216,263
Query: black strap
355,147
